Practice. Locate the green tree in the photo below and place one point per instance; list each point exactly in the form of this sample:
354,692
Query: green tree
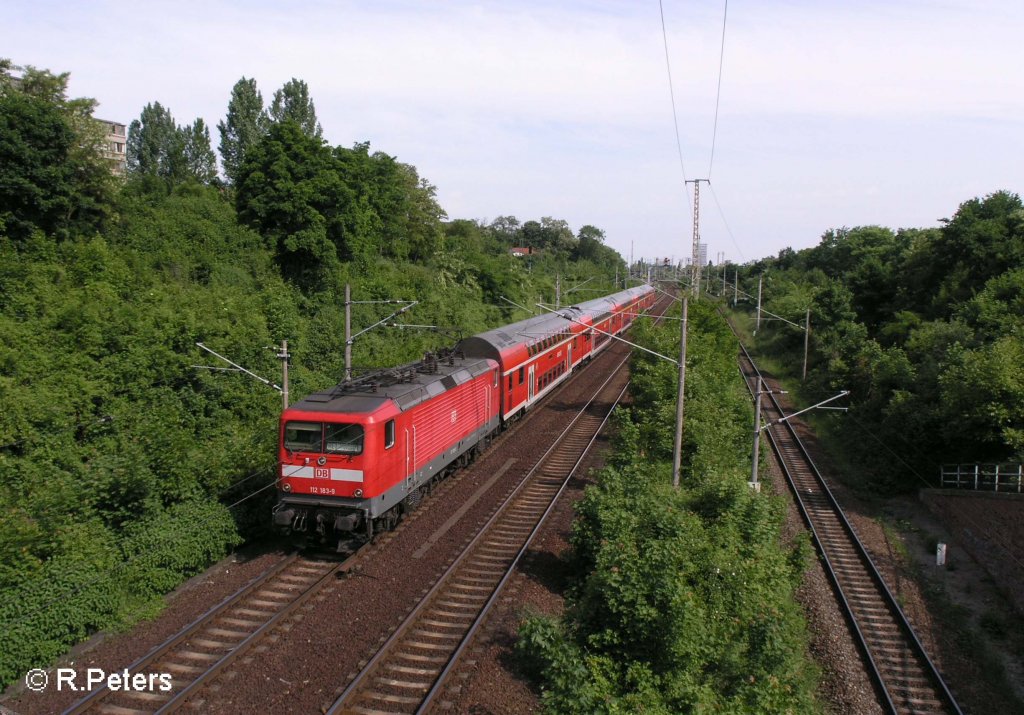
591,240
199,159
293,103
983,239
155,147
159,148
291,192
244,125
507,227
35,179
52,174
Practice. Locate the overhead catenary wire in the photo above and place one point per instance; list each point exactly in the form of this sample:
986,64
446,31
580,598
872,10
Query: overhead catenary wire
714,134
1007,548
728,230
672,96
718,94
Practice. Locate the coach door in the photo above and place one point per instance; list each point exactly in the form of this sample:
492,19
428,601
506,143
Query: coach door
531,382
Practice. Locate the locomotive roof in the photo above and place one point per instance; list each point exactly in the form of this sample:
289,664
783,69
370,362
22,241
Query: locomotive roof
407,385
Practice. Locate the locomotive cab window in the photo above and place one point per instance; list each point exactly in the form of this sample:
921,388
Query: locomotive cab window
389,434
343,439
302,436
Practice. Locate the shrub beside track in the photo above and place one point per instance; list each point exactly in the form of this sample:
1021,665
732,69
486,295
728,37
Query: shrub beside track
682,599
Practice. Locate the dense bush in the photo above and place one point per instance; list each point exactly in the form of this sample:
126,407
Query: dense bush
123,468
925,328
682,599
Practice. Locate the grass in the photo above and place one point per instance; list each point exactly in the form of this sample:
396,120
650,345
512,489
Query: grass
894,537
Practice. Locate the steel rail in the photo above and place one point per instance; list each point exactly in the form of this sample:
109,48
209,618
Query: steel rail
878,673
357,686
195,625
234,653
442,678
96,698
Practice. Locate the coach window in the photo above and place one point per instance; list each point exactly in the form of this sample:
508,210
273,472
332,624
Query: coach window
343,438
510,381
522,372
389,434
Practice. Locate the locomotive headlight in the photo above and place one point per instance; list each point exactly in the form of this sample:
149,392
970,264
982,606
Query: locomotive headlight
286,487
357,493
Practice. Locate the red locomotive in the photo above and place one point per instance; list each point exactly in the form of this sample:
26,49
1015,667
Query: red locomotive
357,456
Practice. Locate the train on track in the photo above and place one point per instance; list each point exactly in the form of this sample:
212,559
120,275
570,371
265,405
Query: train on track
356,457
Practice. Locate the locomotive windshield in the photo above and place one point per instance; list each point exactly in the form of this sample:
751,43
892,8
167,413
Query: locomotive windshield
343,439
319,437
302,436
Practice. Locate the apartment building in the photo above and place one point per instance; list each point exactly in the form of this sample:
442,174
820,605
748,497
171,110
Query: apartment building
116,135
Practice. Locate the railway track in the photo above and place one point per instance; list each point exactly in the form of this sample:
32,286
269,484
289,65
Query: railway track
205,647
905,677
410,670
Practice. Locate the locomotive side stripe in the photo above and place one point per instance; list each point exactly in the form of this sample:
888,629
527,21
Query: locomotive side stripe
338,475
347,475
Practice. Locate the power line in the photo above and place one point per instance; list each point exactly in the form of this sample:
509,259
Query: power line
718,95
729,230
995,538
672,96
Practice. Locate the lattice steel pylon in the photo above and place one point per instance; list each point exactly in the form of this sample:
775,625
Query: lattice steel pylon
695,266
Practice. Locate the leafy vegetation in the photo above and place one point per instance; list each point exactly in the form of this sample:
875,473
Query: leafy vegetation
682,599
925,327
123,468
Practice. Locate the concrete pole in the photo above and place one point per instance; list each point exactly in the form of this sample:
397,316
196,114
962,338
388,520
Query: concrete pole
759,278
757,439
284,372
677,449
735,287
348,332
807,340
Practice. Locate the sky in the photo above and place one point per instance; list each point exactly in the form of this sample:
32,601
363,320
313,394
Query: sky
830,113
